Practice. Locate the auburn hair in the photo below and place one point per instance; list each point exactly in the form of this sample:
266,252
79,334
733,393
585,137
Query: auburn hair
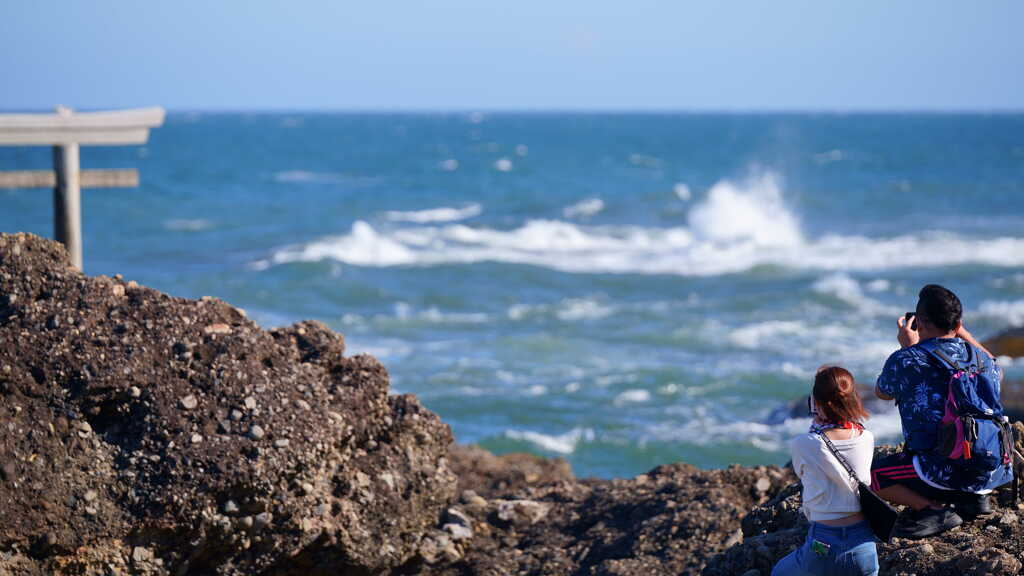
836,395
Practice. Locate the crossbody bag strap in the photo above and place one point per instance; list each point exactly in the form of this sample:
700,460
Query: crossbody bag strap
933,350
839,457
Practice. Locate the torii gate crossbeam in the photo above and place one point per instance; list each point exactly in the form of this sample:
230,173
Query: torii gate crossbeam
65,131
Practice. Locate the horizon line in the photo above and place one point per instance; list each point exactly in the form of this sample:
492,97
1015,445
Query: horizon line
500,110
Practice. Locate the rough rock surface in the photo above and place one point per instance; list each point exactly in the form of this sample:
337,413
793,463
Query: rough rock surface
530,516
141,433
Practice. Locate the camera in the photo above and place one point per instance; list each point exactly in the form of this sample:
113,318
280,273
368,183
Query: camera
907,318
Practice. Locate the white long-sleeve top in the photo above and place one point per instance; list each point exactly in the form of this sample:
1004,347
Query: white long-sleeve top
829,493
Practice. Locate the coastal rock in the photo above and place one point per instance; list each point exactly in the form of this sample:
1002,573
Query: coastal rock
132,419
1007,343
668,521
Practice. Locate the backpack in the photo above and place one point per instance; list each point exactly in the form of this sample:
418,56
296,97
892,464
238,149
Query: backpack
973,435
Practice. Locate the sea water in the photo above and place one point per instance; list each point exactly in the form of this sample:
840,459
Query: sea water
619,290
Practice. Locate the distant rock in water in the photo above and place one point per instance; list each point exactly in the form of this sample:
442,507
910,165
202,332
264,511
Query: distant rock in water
1007,343
149,434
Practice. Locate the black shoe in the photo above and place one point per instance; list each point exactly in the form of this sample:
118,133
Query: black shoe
971,506
915,524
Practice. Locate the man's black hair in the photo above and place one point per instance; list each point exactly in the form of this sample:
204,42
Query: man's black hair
940,307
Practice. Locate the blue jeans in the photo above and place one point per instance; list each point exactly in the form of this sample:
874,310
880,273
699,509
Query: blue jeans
851,552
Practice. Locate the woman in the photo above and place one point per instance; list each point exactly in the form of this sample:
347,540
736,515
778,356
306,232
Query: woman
839,541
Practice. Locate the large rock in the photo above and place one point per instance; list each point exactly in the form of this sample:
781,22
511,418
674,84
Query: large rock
1007,343
148,434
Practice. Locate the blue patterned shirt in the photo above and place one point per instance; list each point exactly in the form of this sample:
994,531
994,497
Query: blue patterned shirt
919,384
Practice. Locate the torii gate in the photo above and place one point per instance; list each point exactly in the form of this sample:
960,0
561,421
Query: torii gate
65,130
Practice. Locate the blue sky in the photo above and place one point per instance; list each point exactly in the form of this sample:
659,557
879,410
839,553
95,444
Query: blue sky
474,54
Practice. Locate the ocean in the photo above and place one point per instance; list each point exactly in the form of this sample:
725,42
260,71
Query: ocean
622,290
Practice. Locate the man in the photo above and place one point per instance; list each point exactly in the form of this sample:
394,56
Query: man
926,475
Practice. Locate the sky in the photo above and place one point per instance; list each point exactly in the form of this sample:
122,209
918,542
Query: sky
727,55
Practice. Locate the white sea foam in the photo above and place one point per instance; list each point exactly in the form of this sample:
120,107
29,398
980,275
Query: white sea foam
518,311
443,214
560,444
829,157
633,396
404,311
582,309
433,314
752,212
306,176
735,228
878,285
754,336
503,165
448,165
845,288
644,160
810,345
1014,281
682,191
700,428
1008,311
188,225
584,208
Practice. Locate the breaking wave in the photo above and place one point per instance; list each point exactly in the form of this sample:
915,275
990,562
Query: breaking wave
564,444
735,228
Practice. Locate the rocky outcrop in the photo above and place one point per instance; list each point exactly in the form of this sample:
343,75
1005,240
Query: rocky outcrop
148,434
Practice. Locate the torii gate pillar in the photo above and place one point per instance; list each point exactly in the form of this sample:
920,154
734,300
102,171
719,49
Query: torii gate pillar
67,198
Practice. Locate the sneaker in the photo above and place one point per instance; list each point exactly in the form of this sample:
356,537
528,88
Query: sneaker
915,524
971,506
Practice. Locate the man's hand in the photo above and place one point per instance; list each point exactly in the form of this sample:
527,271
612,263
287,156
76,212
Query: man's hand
962,332
906,335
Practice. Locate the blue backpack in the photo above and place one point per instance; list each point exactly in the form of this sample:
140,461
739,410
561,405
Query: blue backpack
973,434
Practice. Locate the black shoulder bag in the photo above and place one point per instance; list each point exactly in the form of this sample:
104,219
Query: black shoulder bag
881,516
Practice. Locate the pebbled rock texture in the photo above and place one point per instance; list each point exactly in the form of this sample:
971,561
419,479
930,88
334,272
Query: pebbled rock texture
531,516
141,433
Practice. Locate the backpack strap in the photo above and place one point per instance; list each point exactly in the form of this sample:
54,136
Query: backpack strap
933,350
975,358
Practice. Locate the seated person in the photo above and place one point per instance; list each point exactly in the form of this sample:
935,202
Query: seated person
839,540
958,447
